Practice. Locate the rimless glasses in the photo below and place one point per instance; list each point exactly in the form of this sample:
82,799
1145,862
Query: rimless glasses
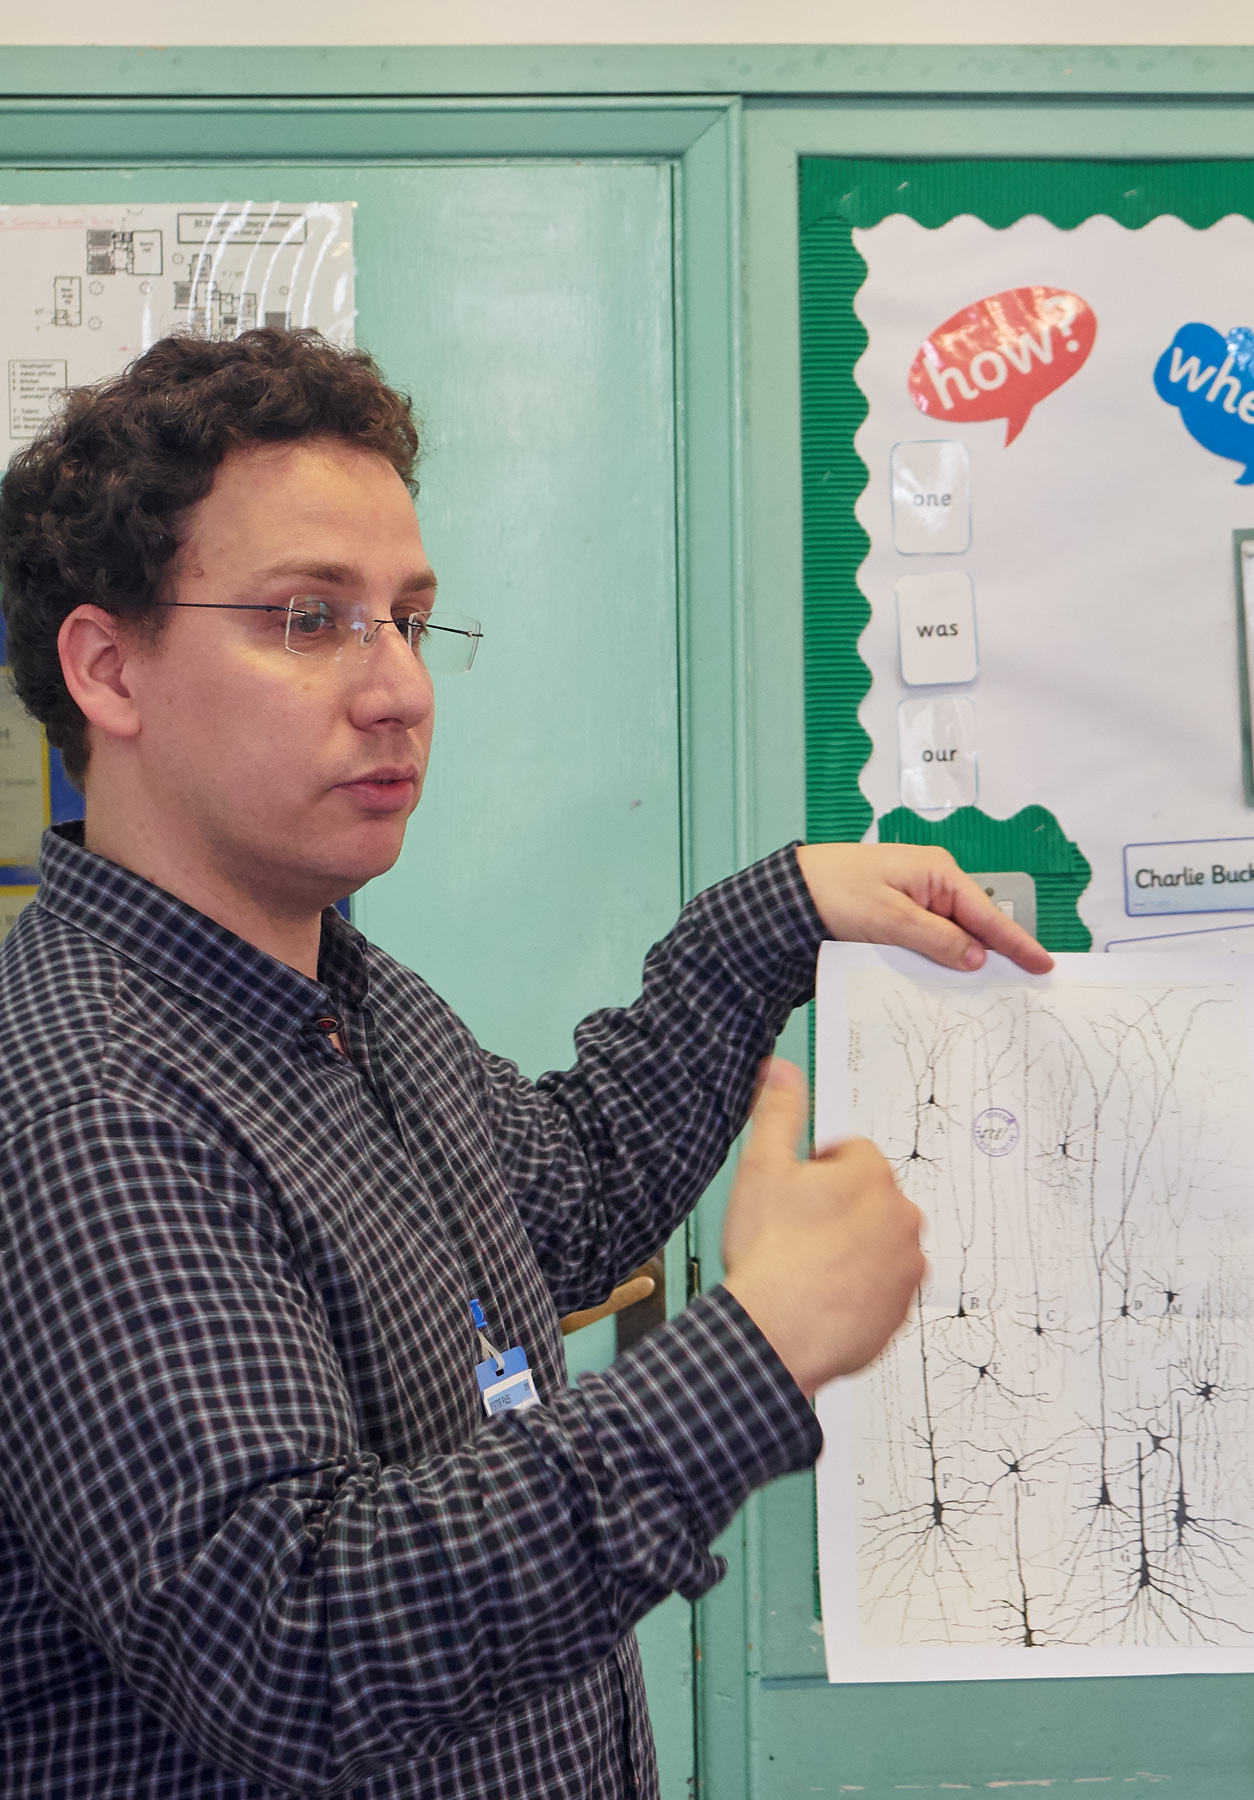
325,629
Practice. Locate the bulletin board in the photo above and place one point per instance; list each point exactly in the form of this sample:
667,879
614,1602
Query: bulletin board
1027,484
1094,669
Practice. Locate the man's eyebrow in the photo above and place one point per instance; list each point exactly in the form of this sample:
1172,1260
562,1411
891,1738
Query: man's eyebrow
337,574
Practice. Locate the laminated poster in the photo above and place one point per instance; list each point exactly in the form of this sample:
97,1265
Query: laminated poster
85,289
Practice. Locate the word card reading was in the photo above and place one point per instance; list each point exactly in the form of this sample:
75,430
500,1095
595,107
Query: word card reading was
936,628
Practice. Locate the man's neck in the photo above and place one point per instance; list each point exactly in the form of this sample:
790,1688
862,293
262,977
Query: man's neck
290,937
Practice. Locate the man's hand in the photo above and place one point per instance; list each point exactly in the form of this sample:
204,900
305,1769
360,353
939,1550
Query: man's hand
824,1255
916,898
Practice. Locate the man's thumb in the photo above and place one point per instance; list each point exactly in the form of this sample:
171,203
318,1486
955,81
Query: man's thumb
780,1114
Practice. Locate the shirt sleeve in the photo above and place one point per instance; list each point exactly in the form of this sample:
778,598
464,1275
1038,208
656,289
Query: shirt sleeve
182,1456
604,1159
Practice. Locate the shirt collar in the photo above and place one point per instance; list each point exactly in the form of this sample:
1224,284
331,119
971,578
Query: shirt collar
177,945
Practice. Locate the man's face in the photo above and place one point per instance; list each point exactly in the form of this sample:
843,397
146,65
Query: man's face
291,775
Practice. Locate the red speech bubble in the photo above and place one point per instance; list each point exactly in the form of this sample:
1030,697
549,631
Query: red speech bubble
1000,357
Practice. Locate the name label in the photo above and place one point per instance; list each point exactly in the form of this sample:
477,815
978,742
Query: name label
1201,875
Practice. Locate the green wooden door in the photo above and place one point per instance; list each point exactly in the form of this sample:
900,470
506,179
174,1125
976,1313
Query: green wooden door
529,309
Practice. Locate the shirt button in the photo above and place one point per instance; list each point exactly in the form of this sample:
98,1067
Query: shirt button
327,1024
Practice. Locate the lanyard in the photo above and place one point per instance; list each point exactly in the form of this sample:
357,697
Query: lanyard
481,1325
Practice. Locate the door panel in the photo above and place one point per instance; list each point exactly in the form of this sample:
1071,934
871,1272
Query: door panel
528,308
530,316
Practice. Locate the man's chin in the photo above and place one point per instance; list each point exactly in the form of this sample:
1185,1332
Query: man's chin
363,861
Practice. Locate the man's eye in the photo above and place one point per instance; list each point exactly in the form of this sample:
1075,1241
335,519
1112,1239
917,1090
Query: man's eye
308,621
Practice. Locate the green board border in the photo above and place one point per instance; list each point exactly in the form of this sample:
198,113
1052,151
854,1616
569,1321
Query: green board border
836,196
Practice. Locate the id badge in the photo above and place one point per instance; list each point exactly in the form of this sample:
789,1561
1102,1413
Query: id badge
506,1383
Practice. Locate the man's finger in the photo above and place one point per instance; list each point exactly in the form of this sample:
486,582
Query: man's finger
933,935
780,1114
974,909
965,924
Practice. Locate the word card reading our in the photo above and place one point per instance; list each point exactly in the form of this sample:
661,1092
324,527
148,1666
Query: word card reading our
936,740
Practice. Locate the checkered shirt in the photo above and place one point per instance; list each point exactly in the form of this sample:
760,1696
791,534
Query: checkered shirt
256,1536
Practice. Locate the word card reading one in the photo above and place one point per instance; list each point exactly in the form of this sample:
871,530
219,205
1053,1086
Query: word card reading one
936,628
931,482
936,740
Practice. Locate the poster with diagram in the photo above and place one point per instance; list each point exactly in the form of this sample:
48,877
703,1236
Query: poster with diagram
1059,442
1050,1472
86,289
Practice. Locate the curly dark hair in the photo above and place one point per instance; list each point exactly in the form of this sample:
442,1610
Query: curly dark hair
90,511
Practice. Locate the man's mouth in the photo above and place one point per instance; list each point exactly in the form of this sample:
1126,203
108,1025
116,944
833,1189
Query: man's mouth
383,790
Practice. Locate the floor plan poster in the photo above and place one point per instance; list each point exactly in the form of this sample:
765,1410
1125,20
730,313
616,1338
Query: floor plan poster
1060,447
1051,1470
86,288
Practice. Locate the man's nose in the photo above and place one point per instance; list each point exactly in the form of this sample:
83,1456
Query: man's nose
391,681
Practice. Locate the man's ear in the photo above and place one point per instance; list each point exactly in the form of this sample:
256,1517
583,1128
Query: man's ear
94,655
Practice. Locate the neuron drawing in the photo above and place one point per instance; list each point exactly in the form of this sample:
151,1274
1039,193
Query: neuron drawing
1058,1449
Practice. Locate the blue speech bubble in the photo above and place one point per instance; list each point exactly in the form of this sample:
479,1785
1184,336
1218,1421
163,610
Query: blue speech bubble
1211,379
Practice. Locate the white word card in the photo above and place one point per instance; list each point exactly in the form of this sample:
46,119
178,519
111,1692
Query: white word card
936,742
936,628
931,482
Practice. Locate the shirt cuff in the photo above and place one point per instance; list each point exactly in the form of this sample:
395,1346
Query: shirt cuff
723,1411
766,928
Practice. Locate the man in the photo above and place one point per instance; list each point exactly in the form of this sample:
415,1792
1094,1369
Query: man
258,1534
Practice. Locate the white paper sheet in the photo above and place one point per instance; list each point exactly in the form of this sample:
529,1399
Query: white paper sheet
86,288
1051,1470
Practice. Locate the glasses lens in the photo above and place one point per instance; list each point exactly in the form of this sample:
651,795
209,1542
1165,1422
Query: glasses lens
314,627
446,643
325,628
